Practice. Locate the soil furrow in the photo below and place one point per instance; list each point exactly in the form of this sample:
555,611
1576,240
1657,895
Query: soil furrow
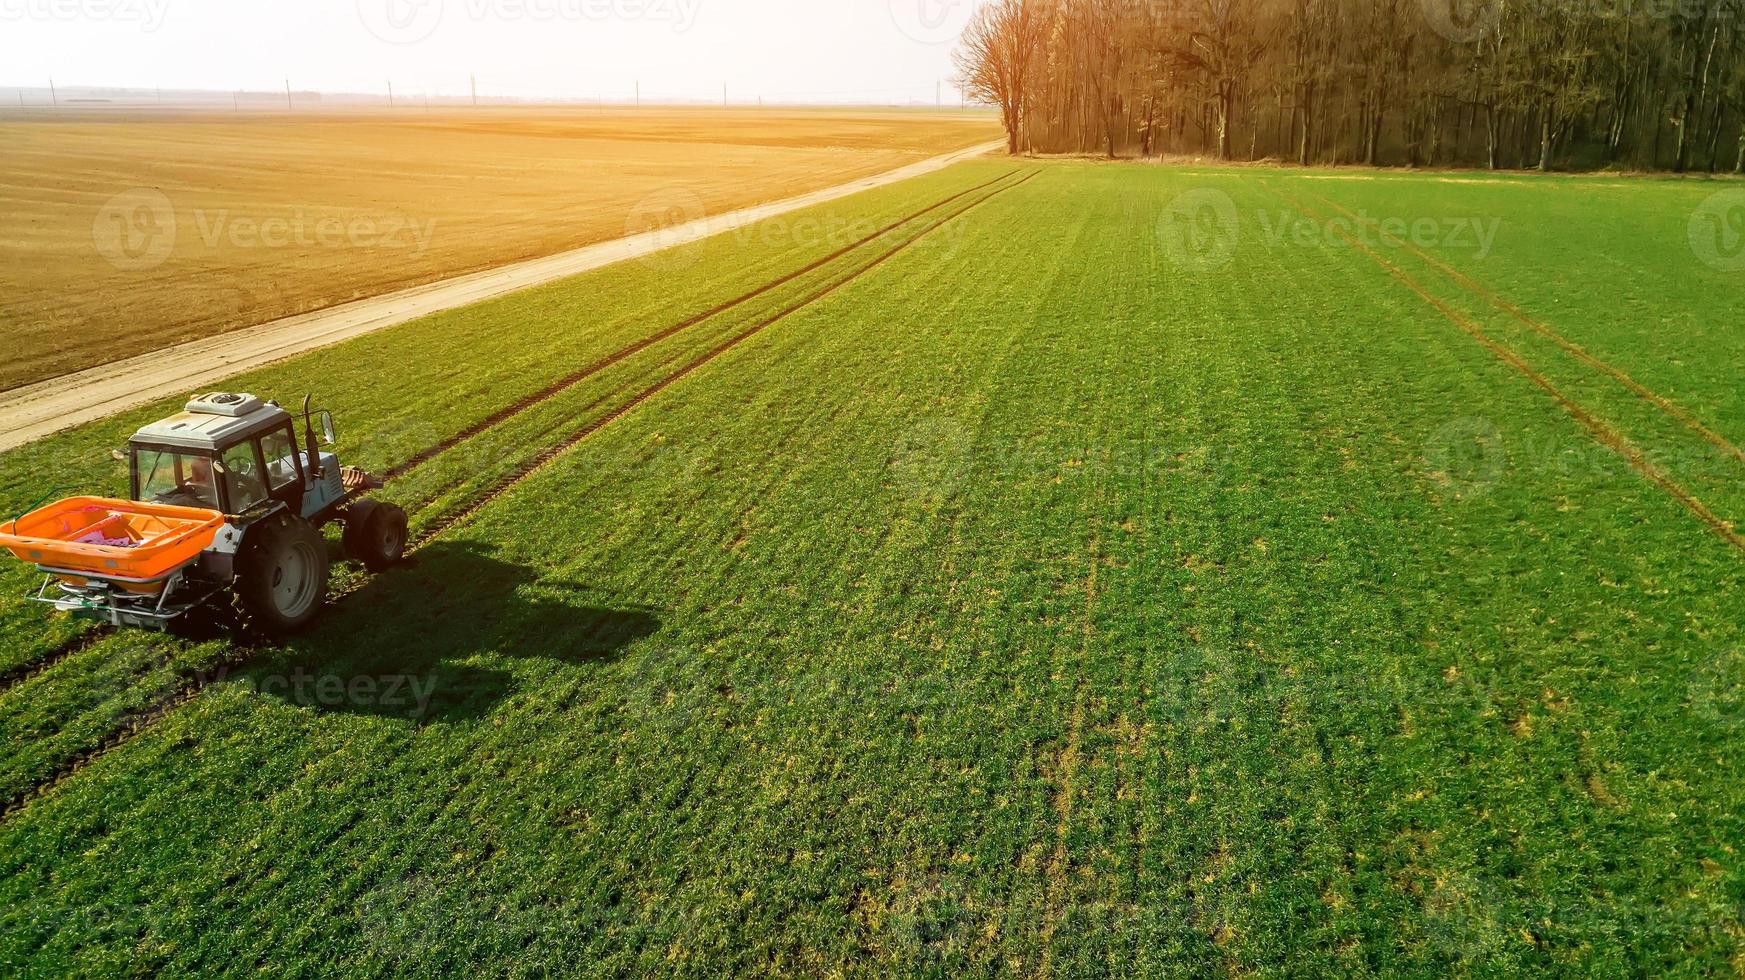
25,673
569,381
1545,330
538,463
1601,431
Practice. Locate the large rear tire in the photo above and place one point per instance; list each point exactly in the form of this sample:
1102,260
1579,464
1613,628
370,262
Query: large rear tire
282,575
376,534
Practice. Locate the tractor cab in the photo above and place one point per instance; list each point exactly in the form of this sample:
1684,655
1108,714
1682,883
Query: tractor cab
237,455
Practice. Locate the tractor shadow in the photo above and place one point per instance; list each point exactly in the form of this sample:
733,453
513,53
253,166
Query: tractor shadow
399,647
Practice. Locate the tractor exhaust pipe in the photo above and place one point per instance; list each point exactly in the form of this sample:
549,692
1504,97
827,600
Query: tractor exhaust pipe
311,446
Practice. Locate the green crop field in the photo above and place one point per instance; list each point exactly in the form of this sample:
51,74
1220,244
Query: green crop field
1037,568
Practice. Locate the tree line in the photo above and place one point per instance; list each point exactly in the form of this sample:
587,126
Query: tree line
1578,84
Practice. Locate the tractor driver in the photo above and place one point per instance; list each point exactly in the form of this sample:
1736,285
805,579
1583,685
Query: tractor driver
199,489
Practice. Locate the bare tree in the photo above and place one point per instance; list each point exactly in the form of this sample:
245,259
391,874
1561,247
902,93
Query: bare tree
997,56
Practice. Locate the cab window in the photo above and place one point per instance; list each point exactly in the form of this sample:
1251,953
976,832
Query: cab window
242,478
280,451
176,479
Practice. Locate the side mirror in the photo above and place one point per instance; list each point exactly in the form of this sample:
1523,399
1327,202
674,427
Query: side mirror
329,434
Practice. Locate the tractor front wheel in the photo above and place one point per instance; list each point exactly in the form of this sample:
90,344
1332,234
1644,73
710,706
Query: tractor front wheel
282,574
375,534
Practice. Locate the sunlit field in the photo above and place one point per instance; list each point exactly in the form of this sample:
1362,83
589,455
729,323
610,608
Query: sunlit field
124,232
1051,568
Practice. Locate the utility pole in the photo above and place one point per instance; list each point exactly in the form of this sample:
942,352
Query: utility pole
288,106
236,99
639,93
939,95
474,79
390,93
54,98
723,95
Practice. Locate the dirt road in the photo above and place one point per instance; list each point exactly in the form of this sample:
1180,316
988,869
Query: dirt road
37,410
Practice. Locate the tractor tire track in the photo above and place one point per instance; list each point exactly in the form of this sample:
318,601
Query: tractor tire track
132,726
196,682
569,381
1600,430
522,473
27,672
1545,330
1068,762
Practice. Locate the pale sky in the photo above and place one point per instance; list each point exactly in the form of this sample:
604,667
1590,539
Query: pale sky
880,51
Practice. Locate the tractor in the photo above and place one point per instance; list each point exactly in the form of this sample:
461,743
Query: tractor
225,503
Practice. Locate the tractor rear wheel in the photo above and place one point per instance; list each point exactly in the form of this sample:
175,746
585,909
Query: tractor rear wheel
375,534
282,574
